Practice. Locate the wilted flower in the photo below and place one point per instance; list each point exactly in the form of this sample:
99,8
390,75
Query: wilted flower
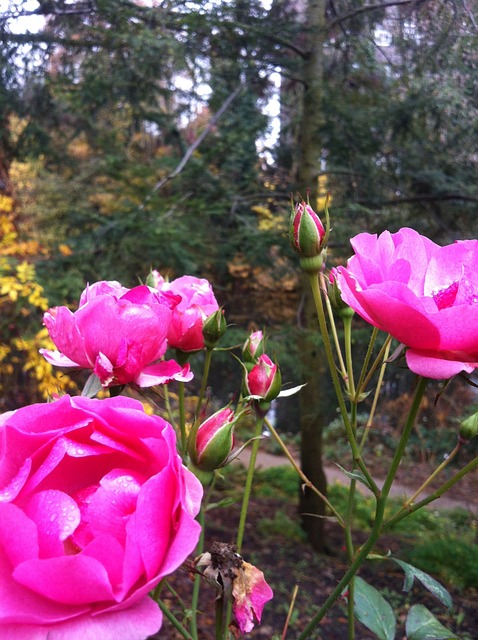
237,580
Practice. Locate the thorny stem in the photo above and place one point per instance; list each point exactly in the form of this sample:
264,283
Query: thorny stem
368,355
471,466
313,279
199,550
375,398
378,361
434,474
245,499
348,355
220,606
301,474
379,514
182,419
289,613
248,486
174,621
202,391
197,577
333,329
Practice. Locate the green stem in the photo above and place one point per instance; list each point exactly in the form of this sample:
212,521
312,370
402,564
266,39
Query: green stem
471,466
174,621
368,355
348,355
248,487
197,577
202,391
375,398
349,544
333,329
182,418
313,279
379,514
377,362
220,605
433,475
302,475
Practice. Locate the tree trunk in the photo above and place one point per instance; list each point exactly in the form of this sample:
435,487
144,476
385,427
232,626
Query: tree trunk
313,360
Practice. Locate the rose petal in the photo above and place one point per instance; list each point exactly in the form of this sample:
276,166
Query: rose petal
137,622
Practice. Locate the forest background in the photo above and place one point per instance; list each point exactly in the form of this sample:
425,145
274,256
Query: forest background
137,135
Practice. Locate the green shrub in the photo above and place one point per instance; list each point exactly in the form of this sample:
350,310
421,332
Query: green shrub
452,559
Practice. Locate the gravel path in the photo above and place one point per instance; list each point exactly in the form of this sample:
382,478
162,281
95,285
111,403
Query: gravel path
334,474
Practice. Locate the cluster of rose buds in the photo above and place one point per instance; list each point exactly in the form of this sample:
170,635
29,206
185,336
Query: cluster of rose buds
262,379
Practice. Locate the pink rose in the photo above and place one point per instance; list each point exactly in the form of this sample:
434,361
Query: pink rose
424,295
95,508
111,287
118,333
197,303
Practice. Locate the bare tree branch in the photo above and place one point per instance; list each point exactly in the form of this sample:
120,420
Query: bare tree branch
470,15
417,199
192,148
370,7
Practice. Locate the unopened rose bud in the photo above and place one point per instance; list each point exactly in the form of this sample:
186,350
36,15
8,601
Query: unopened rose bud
469,427
335,297
210,444
155,280
214,328
263,382
307,236
253,348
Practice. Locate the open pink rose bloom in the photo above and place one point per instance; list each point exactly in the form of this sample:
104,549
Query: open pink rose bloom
95,508
118,333
424,295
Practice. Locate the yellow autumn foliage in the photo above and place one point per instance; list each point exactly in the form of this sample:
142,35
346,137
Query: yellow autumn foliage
22,303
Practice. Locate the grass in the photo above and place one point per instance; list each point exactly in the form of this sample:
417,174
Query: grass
443,542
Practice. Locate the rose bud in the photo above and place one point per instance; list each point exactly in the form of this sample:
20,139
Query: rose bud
335,296
469,427
210,444
214,328
253,348
263,382
306,231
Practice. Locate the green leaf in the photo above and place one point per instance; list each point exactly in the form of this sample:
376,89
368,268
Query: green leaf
433,586
225,502
421,624
355,475
373,611
92,386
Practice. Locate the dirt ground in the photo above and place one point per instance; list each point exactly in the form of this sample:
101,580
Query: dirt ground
287,561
